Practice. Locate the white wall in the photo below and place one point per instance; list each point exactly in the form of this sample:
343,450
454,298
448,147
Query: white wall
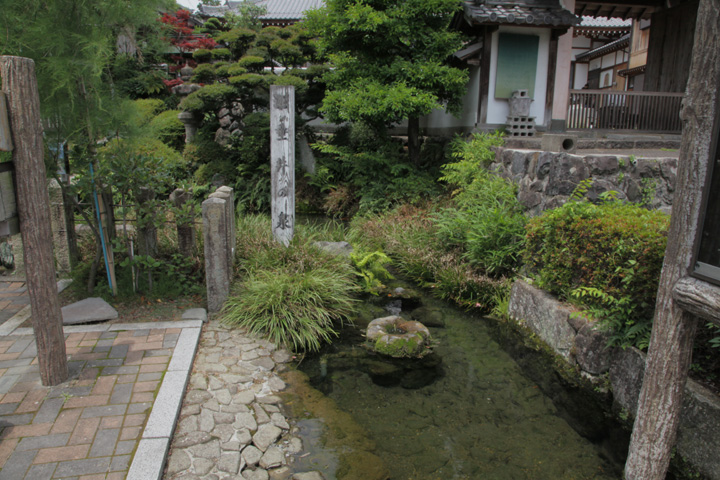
498,107
441,120
581,75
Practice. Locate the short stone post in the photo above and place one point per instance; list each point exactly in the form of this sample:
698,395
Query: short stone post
228,195
185,226
217,268
282,162
57,220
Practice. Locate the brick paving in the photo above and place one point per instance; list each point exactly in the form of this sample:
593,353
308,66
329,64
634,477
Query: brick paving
89,427
13,297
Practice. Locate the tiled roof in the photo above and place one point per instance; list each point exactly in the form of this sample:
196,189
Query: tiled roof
614,46
520,13
604,22
276,9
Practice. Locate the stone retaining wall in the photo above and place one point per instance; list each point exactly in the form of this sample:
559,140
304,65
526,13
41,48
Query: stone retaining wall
582,345
547,179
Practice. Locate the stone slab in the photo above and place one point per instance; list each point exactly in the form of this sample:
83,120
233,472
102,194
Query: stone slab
92,309
184,352
166,406
544,314
15,321
149,459
195,314
150,325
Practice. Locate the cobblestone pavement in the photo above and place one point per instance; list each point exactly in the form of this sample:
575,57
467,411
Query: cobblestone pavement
230,424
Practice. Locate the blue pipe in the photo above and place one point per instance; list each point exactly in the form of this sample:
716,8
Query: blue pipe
102,235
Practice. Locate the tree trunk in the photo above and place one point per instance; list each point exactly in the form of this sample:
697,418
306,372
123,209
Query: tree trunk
413,133
73,248
673,331
20,86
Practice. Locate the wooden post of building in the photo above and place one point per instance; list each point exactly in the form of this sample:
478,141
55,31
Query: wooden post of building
282,162
670,351
20,86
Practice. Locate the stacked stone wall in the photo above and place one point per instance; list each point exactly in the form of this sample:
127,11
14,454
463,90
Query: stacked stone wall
546,180
581,344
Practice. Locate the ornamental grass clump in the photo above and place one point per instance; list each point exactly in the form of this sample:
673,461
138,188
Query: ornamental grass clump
294,296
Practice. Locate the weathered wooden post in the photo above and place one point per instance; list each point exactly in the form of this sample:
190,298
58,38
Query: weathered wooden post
682,297
20,86
282,162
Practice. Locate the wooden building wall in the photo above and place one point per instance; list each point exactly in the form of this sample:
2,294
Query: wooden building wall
670,51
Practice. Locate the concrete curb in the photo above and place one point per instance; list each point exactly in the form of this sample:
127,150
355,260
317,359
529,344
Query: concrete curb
151,454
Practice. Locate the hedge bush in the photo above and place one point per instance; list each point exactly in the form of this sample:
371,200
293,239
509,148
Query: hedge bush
209,98
203,73
202,55
609,256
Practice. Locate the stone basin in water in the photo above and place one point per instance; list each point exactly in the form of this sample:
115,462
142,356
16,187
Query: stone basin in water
399,338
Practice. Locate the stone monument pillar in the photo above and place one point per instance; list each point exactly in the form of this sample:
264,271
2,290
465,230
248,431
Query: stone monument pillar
282,161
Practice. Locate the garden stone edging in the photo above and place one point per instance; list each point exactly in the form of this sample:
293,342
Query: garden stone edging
575,339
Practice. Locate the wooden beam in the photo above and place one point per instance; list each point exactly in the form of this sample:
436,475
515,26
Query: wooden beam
485,75
671,342
20,85
699,298
552,67
5,137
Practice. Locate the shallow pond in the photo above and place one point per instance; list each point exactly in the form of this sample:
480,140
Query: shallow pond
467,411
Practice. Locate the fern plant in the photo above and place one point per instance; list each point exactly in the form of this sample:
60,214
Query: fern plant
620,316
371,269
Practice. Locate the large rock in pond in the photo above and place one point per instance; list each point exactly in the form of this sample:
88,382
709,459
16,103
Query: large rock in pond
396,337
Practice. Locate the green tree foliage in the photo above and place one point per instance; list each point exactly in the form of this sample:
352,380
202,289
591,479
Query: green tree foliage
75,47
390,61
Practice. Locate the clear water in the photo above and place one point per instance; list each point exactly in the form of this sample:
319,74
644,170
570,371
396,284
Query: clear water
469,411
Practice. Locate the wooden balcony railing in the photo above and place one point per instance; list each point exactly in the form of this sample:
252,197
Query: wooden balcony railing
657,112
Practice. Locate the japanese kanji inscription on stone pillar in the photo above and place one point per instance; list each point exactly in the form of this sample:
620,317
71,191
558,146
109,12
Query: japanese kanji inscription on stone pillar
282,161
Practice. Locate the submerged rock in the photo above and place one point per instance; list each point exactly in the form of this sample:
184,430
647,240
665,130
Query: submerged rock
429,316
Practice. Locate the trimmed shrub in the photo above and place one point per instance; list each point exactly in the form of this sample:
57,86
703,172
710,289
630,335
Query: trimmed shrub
168,128
608,256
202,55
235,70
300,85
249,80
252,63
148,108
220,54
209,98
203,73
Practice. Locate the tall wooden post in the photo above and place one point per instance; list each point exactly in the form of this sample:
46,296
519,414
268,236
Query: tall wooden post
20,86
673,332
282,162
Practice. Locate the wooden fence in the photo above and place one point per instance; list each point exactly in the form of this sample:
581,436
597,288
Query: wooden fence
617,110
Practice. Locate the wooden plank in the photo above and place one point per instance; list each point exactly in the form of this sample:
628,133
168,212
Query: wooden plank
6,144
